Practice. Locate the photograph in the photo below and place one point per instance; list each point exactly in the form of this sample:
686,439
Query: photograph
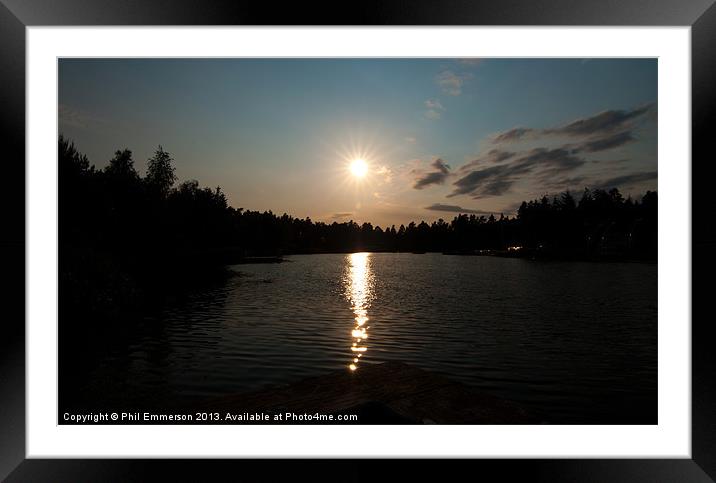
357,240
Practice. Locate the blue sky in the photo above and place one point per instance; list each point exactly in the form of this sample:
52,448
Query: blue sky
439,136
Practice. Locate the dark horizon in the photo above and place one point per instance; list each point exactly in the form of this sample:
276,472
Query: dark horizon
558,209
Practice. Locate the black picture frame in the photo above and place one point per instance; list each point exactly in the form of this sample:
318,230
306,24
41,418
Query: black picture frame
16,15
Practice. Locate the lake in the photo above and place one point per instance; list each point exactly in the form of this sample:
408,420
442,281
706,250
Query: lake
572,342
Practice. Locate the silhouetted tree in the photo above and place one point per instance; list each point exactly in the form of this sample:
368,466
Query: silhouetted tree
160,172
121,167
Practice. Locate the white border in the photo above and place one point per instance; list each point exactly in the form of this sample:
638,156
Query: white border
670,438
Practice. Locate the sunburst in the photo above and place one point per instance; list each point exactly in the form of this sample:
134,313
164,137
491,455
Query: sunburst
358,168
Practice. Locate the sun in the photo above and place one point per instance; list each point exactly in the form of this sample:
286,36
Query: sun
358,168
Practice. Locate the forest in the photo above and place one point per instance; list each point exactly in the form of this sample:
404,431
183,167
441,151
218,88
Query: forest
124,238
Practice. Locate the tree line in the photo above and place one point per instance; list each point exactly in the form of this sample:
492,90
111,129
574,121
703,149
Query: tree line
121,233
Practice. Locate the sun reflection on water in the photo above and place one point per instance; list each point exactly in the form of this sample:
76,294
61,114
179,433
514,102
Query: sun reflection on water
358,282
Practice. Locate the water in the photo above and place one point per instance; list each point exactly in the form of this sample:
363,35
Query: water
572,342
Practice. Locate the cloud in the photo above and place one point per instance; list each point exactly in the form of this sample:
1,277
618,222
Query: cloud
386,173
497,156
435,109
604,130
484,180
571,183
627,180
410,140
339,216
456,209
552,160
604,122
550,166
604,143
551,163
434,104
498,179
494,187
493,156
514,134
442,170
451,83
70,116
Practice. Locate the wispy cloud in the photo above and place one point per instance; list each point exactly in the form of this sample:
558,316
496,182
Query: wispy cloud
438,176
556,154
434,104
605,129
610,141
456,209
565,183
71,116
435,109
341,216
385,173
626,180
498,179
514,134
493,156
605,122
451,82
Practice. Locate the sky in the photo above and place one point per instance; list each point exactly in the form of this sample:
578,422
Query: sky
437,137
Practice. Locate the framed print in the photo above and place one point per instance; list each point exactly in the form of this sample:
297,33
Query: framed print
424,232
